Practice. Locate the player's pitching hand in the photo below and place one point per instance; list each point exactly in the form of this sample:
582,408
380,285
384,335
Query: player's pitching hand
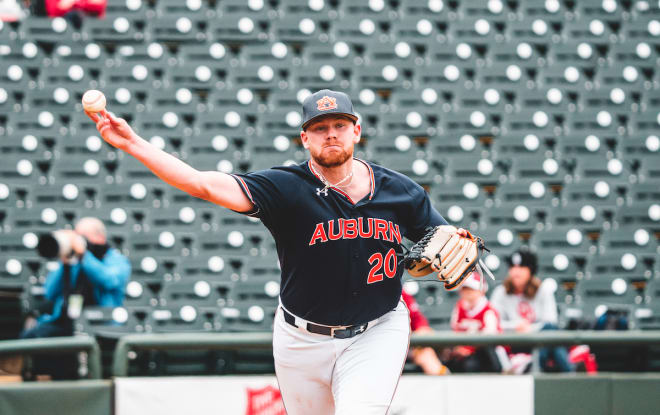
115,131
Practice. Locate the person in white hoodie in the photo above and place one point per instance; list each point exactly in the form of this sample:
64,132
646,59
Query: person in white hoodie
525,304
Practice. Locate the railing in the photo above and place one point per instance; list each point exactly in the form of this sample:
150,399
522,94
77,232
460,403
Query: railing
57,345
232,341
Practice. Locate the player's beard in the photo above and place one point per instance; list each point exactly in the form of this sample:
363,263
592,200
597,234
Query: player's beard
332,158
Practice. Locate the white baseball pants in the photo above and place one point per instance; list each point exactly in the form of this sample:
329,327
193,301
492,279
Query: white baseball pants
321,375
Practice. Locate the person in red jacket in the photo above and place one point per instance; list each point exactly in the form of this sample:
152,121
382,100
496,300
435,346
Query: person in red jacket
473,313
60,8
424,357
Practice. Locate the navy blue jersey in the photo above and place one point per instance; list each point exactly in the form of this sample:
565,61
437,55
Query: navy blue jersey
339,258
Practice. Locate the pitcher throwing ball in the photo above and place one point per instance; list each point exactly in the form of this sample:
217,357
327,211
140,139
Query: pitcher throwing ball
341,333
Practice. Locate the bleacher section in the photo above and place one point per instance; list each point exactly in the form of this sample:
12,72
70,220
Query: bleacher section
530,122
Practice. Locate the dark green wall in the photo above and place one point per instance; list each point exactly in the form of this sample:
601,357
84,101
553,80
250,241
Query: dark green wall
605,394
85,397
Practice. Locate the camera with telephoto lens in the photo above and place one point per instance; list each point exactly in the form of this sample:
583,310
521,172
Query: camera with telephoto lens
57,244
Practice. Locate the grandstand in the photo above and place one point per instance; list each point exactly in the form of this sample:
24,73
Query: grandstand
529,122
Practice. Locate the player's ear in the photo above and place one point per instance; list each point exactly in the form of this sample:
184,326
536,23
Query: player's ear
357,131
304,139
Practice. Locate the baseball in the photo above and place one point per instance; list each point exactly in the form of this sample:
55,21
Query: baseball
93,101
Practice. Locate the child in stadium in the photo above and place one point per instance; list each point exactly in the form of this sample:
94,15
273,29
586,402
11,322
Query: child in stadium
473,313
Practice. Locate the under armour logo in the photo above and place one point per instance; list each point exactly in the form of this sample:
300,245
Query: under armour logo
319,191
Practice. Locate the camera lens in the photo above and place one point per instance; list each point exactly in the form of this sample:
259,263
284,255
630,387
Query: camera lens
48,246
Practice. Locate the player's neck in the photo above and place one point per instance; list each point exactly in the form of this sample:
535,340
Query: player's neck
337,173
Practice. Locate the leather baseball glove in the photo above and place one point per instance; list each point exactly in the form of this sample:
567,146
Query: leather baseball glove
444,251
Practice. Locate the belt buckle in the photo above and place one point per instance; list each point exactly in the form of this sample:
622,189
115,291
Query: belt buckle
347,331
333,330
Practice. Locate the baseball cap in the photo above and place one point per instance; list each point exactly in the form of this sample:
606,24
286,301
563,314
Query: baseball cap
524,258
325,102
474,282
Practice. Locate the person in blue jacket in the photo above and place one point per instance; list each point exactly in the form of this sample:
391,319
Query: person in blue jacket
95,274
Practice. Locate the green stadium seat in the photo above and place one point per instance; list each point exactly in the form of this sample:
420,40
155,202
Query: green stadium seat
194,292
597,8
530,193
182,318
582,216
643,213
639,144
648,314
43,29
644,192
249,317
521,145
167,8
118,27
646,122
632,266
515,217
362,27
594,167
594,192
179,28
598,292
276,55
112,322
628,239
237,27
438,314
566,269
18,244
236,8
562,239
209,267
571,77
587,145
161,243
473,167
546,170
17,169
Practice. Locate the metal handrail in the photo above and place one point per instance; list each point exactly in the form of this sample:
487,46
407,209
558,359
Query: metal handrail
263,340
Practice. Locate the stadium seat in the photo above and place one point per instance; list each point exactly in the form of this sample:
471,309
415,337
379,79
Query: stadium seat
632,238
562,239
593,192
582,216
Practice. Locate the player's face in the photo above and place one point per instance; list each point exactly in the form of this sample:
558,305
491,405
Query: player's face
519,276
330,140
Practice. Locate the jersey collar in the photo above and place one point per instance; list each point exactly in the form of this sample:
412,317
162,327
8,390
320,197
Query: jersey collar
341,192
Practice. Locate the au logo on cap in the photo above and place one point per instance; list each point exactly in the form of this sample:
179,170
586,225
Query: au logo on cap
326,103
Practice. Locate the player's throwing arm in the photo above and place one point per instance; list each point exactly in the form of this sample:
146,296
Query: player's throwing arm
214,186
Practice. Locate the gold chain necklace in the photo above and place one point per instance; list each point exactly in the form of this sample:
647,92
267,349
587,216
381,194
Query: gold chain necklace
328,184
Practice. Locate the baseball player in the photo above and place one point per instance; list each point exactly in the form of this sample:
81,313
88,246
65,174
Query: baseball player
341,333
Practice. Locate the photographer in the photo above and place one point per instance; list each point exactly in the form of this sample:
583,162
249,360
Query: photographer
89,273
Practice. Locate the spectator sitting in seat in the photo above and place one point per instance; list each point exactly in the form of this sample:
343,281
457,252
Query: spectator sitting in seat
525,304
72,10
10,11
473,313
424,357
94,274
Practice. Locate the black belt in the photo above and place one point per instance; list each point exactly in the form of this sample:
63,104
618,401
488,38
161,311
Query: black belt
343,332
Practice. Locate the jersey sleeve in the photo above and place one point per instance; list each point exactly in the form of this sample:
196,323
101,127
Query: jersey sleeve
422,215
264,190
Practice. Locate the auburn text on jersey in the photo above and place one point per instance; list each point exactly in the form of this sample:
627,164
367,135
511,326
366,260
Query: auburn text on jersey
353,228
